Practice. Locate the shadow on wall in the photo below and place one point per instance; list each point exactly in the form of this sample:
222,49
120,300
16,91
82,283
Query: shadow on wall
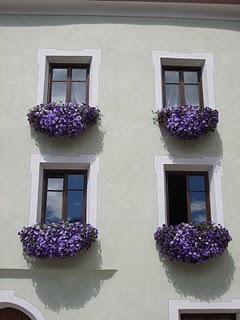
65,284
90,142
205,282
209,145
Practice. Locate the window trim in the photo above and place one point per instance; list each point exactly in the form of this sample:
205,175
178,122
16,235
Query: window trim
84,56
213,165
182,69
178,307
204,60
232,316
207,192
39,163
69,81
64,173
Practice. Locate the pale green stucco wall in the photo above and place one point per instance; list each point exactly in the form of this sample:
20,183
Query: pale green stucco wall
132,282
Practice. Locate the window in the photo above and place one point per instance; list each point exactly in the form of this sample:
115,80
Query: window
182,86
64,196
208,317
188,197
68,83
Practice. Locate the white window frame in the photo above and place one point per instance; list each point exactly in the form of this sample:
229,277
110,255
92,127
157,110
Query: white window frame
203,60
9,300
178,307
39,163
213,165
47,56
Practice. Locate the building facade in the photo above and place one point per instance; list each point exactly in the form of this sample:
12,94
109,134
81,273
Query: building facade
122,50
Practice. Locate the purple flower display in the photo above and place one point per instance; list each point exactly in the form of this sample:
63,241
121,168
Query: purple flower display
62,120
192,243
187,122
57,240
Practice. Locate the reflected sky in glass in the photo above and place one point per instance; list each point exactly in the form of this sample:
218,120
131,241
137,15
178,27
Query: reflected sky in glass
54,206
75,181
171,76
55,183
60,74
79,74
198,206
196,183
75,205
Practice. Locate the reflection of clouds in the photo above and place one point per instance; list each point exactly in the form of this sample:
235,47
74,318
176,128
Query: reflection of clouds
54,206
198,205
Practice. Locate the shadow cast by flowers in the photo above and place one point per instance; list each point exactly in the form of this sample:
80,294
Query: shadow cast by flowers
205,282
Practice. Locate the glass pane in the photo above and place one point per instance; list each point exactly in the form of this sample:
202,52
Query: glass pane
75,181
171,76
172,95
198,206
79,74
54,207
58,92
75,205
60,74
197,183
78,92
190,76
191,95
55,184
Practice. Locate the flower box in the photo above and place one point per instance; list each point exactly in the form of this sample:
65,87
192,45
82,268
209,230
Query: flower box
62,120
192,243
57,240
187,122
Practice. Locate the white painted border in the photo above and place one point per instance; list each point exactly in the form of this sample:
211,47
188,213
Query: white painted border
211,164
93,56
9,300
40,162
201,59
177,307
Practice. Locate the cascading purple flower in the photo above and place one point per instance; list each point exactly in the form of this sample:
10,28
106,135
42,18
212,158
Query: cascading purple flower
192,243
57,240
187,122
62,120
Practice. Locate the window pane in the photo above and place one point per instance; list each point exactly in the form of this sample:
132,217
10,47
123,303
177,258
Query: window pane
190,76
172,95
53,207
191,95
58,92
78,92
75,181
60,74
198,206
79,74
55,183
197,183
75,205
171,76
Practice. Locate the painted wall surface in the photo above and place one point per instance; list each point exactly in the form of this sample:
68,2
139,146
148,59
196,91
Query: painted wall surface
121,277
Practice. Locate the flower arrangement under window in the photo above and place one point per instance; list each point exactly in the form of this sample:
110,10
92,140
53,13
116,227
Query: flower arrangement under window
192,243
62,119
187,122
57,240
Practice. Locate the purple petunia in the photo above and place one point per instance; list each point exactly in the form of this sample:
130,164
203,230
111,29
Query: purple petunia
187,122
62,120
192,243
57,240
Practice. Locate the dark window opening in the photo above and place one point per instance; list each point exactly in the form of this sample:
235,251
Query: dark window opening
208,317
188,197
182,86
64,196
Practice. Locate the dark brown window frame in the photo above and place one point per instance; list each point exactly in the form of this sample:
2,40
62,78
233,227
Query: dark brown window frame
181,83
231,316
69,80
63,174
207,191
